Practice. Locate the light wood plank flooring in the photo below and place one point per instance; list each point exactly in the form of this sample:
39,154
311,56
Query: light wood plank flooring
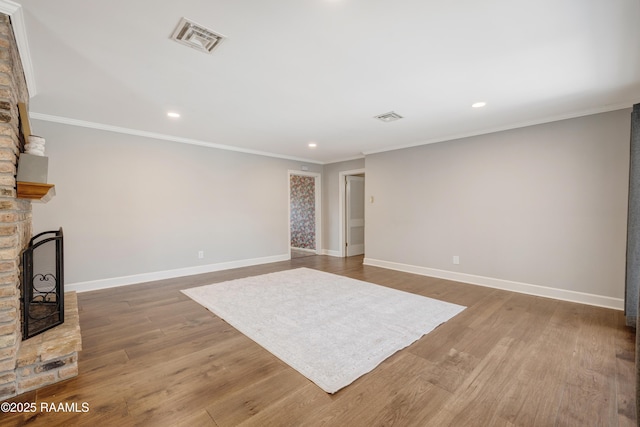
153,357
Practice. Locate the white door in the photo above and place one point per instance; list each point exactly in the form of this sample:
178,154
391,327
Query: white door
354,197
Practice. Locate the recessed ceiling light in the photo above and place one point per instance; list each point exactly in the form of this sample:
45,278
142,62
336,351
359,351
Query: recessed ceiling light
479,104
173,115
312,145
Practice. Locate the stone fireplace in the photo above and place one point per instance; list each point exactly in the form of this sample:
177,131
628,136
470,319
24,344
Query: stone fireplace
51,356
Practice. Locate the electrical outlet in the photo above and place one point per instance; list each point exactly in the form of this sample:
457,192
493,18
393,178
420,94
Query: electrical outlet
200,254
456,259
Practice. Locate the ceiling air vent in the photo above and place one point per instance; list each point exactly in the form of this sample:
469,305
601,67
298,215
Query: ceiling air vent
388,117
196,36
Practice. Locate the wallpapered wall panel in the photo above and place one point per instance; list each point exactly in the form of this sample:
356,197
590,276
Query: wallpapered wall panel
303,212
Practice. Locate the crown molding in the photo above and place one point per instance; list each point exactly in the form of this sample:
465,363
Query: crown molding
14,11
161,136
9,7
549,119
164,137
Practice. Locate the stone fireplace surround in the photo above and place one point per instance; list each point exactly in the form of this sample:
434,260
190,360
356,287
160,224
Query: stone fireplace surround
52,356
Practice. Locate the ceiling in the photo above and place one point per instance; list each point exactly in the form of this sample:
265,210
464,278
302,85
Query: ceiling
291,72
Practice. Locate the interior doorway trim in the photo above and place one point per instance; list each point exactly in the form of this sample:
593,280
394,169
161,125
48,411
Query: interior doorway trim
318,205
342,208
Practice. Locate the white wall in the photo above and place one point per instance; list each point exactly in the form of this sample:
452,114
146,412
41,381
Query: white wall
134,206
544,205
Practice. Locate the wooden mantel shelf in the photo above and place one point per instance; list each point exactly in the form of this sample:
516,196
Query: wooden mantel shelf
35,191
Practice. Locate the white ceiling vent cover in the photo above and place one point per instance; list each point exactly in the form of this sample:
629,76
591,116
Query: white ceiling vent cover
389,117
196,36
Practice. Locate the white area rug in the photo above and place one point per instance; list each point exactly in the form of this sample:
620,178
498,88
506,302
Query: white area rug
331,329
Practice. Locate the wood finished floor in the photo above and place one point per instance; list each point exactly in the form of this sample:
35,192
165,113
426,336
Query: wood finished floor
153,357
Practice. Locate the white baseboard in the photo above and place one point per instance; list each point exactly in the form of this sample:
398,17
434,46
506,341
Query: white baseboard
311,251
94,285
329,252
507,285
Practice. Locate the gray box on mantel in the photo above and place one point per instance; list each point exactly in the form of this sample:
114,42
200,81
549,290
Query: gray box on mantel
32,168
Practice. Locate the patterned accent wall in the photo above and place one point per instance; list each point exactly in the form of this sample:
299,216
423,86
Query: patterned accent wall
303,212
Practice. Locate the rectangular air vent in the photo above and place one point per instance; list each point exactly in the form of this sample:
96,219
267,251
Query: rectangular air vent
389,117
196,36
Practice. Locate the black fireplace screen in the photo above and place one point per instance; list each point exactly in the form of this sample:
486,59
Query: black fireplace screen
42,283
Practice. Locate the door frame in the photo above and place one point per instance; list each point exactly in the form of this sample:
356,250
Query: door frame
342,207
318,204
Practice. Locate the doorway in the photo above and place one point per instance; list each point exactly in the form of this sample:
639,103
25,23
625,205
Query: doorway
351,207
304,214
